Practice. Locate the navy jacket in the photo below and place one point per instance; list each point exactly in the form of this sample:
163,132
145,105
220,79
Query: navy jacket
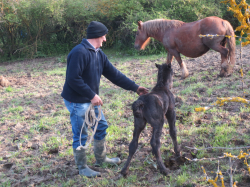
85,65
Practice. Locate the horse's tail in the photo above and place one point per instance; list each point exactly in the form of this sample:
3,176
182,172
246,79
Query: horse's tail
137,107
231,44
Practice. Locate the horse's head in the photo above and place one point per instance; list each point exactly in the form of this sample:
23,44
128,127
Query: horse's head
165,75
141,39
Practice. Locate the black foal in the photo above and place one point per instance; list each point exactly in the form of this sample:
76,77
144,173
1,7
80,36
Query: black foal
151,108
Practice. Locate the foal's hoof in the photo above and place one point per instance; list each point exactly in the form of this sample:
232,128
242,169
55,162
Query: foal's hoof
124,173
118,177
180,160
166,172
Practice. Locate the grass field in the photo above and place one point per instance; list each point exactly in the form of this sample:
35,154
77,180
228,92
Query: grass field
36,137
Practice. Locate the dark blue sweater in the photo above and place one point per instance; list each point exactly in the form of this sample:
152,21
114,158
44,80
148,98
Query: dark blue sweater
85,65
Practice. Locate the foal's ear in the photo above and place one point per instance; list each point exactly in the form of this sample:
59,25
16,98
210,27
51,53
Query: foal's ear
139,24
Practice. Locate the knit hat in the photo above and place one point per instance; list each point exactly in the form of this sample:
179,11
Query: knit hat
96,29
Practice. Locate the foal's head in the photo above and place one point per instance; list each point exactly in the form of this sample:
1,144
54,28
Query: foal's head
165,75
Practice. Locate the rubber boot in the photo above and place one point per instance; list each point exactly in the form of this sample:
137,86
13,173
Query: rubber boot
100,153
81,162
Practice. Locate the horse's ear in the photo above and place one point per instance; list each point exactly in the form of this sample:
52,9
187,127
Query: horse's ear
139,24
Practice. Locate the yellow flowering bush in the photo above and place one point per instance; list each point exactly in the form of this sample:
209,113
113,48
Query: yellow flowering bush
242,13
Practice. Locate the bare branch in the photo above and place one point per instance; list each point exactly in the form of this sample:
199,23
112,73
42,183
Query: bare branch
232,148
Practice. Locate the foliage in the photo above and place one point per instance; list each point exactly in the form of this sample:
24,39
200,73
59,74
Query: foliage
241,12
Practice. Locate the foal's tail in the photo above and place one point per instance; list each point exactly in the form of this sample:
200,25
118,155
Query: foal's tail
231,43
137,107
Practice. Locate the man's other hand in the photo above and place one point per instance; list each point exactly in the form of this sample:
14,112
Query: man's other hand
96,101
141,90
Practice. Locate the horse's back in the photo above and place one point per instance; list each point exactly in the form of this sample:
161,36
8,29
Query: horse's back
213,25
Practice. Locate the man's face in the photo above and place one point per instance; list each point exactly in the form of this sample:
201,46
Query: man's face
100,40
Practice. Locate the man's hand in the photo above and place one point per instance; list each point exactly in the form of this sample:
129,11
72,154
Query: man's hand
96,101
141,90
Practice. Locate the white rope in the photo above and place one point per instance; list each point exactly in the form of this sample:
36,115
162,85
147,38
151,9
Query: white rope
90,120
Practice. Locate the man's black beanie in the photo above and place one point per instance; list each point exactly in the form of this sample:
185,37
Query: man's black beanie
96,30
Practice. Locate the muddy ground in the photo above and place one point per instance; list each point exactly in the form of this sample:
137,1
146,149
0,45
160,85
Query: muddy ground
33,115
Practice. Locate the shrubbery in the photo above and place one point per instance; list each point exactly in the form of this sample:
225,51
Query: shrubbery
38,28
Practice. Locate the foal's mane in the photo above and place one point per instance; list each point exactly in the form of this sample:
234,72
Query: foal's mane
155,25
161,74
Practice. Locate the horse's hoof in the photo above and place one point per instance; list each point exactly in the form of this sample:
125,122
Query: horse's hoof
184,76
222,75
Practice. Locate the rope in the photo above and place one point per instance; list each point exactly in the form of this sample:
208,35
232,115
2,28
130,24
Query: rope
90,120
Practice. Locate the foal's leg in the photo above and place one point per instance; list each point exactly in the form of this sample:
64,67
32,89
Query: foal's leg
156,145
140,124
182,64
171,117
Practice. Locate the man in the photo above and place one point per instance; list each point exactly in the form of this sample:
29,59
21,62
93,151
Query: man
85,64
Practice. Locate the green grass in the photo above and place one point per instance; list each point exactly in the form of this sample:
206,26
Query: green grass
59,71
9,89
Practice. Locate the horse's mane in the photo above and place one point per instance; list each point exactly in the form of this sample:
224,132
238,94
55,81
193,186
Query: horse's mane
155,25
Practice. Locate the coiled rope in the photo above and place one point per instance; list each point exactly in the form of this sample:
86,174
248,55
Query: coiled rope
90,120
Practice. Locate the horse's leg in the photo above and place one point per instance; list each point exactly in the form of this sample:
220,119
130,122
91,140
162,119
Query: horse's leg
182,64
156,144
169,58
215,45
171,117
224,61
140,124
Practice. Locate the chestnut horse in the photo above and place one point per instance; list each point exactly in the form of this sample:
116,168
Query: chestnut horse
183,38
